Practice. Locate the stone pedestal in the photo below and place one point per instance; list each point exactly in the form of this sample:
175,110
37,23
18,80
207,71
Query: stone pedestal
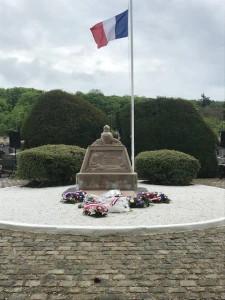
106,166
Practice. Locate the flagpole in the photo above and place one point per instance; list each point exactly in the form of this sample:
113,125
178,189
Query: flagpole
131,79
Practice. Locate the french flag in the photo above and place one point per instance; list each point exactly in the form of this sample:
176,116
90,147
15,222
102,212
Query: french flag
111,29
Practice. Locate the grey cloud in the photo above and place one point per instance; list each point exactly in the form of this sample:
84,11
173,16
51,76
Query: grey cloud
186,38
40,75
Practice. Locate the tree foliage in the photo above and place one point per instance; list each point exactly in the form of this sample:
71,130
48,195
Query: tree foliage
110,105
213,112
174,124
15,105
204,101
61,118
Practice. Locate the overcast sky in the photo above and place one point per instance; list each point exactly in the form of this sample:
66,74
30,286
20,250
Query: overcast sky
179,47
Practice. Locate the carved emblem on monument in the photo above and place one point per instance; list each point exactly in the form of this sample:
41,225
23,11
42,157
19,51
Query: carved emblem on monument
106,165
106,138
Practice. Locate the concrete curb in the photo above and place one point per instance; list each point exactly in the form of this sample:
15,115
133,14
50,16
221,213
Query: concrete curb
106,230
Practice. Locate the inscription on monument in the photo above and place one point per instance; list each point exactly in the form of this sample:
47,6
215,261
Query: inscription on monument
107,161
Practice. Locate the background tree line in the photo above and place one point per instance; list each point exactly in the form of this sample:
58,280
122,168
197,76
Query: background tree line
58,117
16,103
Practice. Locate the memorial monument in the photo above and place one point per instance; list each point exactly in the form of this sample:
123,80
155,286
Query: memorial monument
106,165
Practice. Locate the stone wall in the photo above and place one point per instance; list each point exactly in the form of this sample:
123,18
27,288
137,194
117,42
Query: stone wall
182,265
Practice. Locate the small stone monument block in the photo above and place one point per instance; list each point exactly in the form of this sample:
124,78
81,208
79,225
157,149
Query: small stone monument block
106,165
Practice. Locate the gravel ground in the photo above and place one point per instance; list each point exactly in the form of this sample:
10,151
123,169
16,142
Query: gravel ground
194,203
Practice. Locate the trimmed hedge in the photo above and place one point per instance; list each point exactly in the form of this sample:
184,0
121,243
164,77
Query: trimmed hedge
54,164
62,118
174,124
167,167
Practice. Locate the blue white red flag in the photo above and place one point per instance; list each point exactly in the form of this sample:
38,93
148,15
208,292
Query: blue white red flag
110,29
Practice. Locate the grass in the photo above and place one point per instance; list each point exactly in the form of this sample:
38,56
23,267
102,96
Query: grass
217,182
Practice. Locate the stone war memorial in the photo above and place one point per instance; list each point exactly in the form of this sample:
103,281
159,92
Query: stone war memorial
106,165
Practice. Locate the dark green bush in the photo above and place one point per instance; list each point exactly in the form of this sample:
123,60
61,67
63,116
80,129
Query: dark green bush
167,167
54,164
62,118
171,124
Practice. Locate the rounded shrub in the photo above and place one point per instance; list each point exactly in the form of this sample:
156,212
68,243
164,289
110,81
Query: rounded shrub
175,124
62,118
168,167
54,164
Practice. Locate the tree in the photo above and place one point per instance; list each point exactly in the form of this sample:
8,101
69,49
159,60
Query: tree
3,105
166,123
13,95
110,105
61,118
223,111
23,107
15,104
205,101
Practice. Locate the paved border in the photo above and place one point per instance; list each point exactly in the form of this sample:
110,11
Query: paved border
178,265
106,230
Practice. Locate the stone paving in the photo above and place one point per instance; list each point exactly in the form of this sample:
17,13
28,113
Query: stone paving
184,265
170,266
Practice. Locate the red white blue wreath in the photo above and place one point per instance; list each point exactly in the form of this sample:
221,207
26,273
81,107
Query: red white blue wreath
112,201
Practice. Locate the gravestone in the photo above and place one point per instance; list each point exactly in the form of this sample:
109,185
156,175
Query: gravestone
106,165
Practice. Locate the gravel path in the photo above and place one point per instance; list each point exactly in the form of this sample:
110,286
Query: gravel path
189,204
